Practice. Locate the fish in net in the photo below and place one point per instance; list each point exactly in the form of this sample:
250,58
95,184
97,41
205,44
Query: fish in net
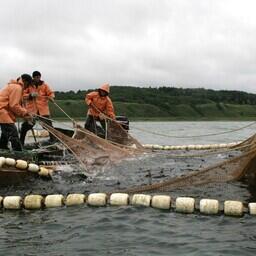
92,151
236,168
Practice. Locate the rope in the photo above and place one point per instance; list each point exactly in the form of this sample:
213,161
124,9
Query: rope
194,136
73,121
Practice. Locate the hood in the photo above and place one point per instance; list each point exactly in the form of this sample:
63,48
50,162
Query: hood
105,87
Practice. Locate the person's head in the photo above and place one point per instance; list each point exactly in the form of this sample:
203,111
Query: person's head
36,76
104,90
26,79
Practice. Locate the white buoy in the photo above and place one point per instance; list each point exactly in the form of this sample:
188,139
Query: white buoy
191,147
33,167
233,208
161,202
2,161
1,200
252,208
209,206
149,146
12,202
33,202
141,199
185,204
97,199
45,172
10,161
198,147
53,201
21,164
119,199
75,199
159,147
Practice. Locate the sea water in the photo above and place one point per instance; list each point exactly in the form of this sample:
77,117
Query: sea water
83,230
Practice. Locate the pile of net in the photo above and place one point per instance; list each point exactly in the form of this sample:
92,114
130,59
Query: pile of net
92,151
117,134
235,168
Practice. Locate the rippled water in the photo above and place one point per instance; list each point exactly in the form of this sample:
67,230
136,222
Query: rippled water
128,230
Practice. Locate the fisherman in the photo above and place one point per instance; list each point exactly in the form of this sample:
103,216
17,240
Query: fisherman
36,98
100,106
10,108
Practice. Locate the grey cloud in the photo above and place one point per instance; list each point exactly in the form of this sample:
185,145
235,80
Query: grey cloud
80,44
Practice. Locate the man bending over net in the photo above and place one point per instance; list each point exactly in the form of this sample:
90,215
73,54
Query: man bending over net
100,105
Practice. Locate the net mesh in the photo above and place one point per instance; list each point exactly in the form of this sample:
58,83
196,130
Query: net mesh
90,150
236,168
117,134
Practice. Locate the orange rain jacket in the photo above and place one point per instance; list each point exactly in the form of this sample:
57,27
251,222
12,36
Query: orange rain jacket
104,104
10,102
39,104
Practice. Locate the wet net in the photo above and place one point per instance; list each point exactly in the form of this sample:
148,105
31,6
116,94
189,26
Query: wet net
92,151
236,168
118,135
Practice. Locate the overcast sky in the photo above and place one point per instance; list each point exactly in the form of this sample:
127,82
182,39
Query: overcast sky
81,44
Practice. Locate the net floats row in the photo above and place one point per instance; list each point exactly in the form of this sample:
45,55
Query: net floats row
25,166
191,147
181,204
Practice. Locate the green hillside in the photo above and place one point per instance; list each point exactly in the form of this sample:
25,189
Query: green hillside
166,103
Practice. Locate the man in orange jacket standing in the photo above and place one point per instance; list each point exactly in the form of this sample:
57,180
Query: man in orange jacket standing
10,108
99,103
36,98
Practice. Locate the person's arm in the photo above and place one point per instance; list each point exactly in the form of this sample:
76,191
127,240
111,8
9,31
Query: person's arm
26,94
14,101
89,98
49,92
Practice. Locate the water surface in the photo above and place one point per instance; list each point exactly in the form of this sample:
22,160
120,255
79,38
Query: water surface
129,230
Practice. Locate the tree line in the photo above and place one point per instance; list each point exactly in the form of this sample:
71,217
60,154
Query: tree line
165,96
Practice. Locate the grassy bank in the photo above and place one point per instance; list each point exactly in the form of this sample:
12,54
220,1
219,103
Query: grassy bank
180,112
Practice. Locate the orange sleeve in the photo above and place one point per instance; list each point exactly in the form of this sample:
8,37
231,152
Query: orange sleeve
110,109
89,97
26,93
15,97
49,92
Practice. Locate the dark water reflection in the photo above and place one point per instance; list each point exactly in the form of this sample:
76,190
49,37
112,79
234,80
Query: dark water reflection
128,230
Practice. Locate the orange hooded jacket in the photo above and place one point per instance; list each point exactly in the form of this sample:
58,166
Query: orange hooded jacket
10,102
39,104
104,104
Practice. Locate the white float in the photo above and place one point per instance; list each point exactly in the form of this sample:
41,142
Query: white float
97,199
159,147
252,208
33,202
141,199
33,167
185,204
44,172
2,161
1,200
21,164
75,199
209,206
119,199
53,201
233,208
12,202
161,202
10,161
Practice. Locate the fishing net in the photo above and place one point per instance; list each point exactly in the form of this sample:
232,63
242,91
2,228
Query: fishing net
236,168
90,150
117,134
